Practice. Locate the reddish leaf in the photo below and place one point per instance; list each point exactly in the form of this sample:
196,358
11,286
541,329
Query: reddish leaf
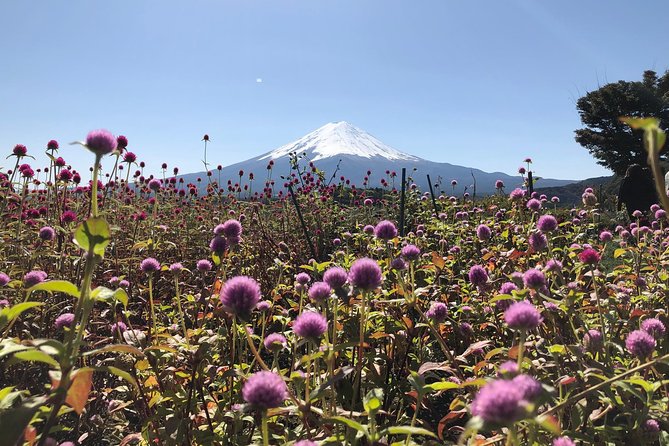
77,395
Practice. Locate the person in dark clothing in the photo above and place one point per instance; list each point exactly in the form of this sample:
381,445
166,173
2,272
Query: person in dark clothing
637,191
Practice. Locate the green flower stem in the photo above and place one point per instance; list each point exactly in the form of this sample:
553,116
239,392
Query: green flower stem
361,337
265,430
154,327
94,186
573,399
181,311
599,310
521,349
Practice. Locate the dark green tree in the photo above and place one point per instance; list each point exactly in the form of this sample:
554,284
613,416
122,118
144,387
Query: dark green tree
614,144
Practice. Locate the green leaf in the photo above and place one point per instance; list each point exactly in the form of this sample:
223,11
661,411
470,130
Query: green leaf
549,423
57,286
442,385
557,349
618,252
409,430
350,423
93,234
641,123
14,421
121,348
8,314
8,346
36,356
373,401
105,294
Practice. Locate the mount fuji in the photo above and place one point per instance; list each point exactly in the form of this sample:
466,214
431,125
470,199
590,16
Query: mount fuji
340,149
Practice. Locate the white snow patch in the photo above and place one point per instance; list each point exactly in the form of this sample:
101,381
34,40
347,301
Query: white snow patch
339,138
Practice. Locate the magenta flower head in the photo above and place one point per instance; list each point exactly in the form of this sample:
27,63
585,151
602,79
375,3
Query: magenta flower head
654,327
517,194
538,241
385,230
263,306
275,342
640,344
129,157
438,312
411,252
522,316
47,233
101,142
528,386
176,268
305,443
218,245
52,145
336,277
508,368
20,150
365,274
64,320
478,276
4,279
310,325
118,327
563,441
32,278
398,264
534,279
231,228
319,291
154,184
483,232
533,204
499,403
149,265
203,265
265,390
605,236
547,223
589,256
240,295
302,278
121,142
593,341
499,184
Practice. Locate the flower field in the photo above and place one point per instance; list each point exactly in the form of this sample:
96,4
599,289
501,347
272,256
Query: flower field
142,310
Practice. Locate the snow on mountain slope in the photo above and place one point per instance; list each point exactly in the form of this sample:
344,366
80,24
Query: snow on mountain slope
336,139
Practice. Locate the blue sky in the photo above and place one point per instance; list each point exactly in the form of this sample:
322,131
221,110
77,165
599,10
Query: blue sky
482,84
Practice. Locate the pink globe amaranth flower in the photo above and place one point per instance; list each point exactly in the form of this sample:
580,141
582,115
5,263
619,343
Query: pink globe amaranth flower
310,325
176,268
368,229
438,312
203,265
534,279
654,327
528,386
32,278
478,276
265,390
499,403
640,344
101,142
154,184
589,199
275,342
547,223
231,228
522,316
302,278
240,295
124,284
538,241
64,320
4,279
336,277
20,150
605,236
319,291
533,204
121,142
593,341
554,265
660,214
47,233
398,264
563,441
218,245
129,157
411,252
385,230
517,194
306,443
68,217
483,232
52,145
508,368
263,306
589,256
499,184
149,265
365,274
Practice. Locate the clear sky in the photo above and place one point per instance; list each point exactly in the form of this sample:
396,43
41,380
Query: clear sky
478,83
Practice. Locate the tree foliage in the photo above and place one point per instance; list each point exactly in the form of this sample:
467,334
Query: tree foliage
615,145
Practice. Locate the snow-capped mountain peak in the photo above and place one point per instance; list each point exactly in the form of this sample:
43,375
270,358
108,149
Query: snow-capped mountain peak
336,139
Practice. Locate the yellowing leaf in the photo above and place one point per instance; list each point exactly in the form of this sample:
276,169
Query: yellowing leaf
77,394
